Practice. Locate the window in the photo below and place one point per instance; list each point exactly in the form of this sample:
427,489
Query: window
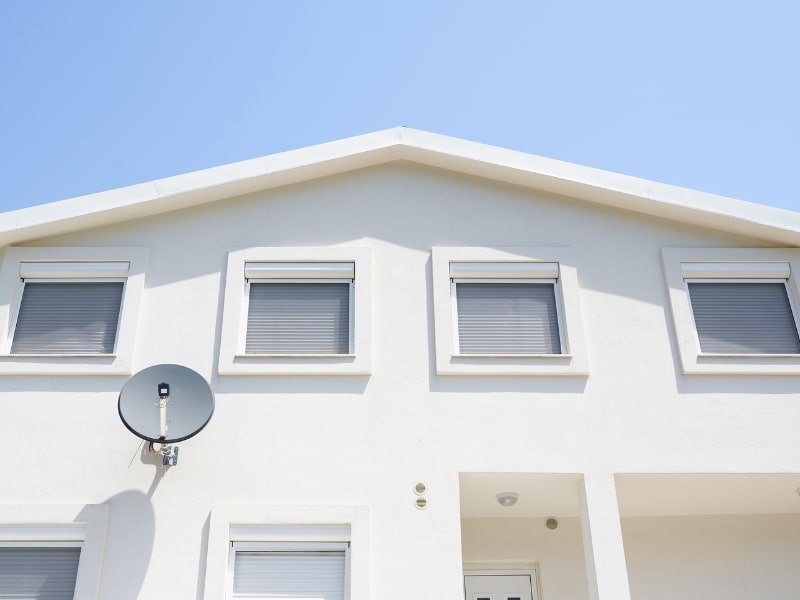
70,310
301,552
299,308
39,571
506,308
734,309
298,570
69,307
508,311
296,311
51,552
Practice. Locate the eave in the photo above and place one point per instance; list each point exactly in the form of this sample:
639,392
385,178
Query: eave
402,144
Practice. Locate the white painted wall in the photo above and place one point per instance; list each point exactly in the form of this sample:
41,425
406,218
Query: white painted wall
558,553
742,557
366,440
747,557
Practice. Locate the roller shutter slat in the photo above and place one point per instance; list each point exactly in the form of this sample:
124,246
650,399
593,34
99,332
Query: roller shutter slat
318,575
38,573
744,318
298,318
68,318
507,318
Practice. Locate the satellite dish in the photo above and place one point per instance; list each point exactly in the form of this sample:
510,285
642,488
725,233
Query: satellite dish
166,403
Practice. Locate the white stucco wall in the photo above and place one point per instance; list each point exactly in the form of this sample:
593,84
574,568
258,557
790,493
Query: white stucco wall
557,554
692,557
713,556
366,440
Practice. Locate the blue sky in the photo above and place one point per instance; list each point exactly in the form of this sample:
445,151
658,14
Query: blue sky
96,95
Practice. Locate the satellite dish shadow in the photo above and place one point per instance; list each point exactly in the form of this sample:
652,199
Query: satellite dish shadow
129,545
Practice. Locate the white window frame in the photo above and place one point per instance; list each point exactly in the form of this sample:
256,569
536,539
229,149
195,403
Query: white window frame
51,526
740,265
454,306
233,528
573,359
246,309
73,264
232,357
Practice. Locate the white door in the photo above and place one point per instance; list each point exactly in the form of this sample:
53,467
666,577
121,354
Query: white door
499,587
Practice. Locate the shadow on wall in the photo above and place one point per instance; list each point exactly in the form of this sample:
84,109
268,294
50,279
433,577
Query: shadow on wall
129,545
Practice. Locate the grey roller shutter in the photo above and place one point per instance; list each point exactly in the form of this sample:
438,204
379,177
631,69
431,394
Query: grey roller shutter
507,318
744,318
317,575
68,318
298,318
38,573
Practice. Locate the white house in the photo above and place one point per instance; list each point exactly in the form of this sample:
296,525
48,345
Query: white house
404,334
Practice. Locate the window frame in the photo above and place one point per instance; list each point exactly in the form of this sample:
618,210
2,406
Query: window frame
719,265
273,528
454,281
572,361
60,263
47,526
233,360
241,351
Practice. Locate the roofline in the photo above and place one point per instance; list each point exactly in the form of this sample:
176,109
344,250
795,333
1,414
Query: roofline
508,166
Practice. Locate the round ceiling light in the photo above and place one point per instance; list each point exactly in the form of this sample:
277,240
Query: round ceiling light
507,499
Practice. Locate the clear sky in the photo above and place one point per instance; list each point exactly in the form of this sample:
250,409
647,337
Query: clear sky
698,93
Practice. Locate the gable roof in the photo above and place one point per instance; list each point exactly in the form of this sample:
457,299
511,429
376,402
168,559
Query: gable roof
403,144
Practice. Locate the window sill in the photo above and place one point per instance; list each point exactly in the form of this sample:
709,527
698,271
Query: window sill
63,364
504,356
301,356
58,356
743,355
743,364
294,364
512,364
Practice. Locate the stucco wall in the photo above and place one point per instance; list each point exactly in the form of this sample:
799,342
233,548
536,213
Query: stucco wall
747,557
366,440
557,554
742,557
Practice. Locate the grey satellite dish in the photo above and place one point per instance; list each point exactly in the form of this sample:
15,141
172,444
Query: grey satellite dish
164,404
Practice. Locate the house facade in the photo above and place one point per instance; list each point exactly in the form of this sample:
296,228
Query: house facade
440,369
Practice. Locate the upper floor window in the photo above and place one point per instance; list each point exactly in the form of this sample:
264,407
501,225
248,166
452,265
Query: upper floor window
506,308
69,310
297,311
299,308
734,309
512,311
69,307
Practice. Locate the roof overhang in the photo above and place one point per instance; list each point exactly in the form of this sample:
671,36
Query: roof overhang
403,144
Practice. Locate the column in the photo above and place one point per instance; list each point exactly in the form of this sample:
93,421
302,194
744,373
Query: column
606,570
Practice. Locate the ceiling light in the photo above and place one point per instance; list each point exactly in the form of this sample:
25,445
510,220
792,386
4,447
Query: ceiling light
507,499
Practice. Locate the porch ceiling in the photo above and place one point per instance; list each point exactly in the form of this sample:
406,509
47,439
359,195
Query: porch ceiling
543,495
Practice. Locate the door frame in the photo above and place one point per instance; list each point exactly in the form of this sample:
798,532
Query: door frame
504,568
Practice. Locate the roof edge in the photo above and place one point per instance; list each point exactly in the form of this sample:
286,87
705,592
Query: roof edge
402,143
